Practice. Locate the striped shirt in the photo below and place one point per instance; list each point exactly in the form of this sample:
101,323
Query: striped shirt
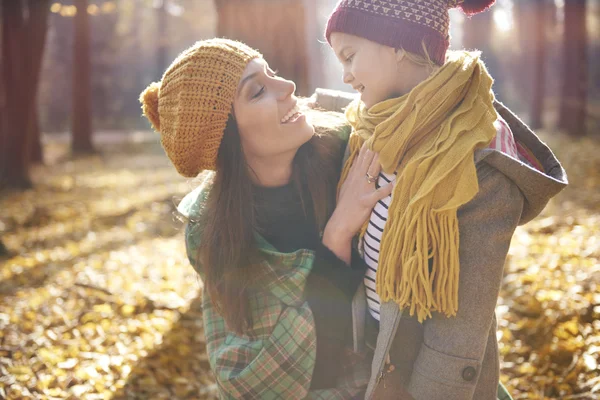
504,142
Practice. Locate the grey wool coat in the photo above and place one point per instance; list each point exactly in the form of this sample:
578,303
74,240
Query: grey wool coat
457,358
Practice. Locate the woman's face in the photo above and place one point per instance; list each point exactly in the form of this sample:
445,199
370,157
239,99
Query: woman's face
265,109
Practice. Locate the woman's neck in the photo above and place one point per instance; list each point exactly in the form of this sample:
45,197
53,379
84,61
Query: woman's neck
272,171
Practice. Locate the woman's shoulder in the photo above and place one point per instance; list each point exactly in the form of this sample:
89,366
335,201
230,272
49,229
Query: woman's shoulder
192,204
190,208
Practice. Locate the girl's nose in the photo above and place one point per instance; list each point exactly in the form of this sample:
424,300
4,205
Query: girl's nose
347,77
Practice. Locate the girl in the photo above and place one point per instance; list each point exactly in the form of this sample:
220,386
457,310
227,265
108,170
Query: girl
466,172
264,232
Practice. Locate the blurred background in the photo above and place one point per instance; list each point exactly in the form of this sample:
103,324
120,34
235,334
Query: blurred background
97,298
83,71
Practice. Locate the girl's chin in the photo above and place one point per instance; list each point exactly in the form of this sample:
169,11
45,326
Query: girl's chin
367,101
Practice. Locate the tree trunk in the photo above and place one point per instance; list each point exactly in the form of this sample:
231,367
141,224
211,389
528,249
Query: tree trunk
161,38
82,108
3,249
523,74
574,83
477,35
104,61
23,27
276,29
14,170
37,152
539,49
477,31
37,28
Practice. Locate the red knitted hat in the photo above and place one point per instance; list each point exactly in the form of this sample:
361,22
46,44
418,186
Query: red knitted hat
402,23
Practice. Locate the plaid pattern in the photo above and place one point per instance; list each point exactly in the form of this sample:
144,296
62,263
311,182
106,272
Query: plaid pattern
276,357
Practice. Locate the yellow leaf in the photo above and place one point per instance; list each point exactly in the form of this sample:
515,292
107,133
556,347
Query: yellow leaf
183,349
127,310
68,364
103,308
79,390
590,362
20,370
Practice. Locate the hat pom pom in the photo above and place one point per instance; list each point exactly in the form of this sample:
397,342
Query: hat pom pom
472,7
149,100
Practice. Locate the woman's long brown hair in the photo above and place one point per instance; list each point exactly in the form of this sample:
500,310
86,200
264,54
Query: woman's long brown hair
228,254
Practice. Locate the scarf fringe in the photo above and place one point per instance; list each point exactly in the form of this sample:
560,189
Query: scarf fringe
426,279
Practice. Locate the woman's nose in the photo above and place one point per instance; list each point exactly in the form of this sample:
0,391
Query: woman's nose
286,88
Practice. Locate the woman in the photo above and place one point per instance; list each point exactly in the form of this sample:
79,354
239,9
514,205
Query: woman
265,233
467,172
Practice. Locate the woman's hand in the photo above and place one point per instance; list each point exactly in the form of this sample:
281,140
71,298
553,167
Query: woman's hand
355,202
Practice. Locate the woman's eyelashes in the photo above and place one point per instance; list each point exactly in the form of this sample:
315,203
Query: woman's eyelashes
270,73
259,93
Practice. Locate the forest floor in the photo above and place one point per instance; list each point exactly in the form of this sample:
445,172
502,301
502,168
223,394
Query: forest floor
98,300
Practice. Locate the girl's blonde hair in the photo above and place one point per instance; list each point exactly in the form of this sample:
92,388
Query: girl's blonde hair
421,59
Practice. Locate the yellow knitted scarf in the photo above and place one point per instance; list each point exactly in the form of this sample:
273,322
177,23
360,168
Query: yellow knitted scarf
428,138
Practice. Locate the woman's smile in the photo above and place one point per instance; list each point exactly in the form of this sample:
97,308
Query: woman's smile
290,113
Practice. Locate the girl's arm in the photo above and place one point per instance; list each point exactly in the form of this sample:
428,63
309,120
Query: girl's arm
449,364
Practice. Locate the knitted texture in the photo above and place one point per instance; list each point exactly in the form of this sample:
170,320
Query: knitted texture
190,106
406,24
428,138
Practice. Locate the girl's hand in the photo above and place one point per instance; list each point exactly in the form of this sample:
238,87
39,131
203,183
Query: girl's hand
355,202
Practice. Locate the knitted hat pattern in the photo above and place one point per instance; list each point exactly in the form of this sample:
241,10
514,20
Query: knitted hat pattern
406,24
190,106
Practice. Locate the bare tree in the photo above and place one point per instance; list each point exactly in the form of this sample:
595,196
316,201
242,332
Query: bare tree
3,249
574,83
477,33
24,24
82,93
37,38
540,20
161,37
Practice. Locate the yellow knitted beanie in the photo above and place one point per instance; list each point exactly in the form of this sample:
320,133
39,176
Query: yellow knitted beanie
190,106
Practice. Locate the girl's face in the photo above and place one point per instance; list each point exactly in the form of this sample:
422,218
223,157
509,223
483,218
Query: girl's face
270,126
376,71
